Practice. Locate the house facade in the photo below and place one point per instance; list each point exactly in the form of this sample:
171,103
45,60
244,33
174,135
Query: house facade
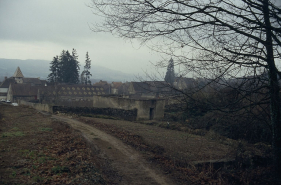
25,92
4,87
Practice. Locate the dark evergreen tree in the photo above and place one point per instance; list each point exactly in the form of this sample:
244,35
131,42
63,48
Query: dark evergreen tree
170,74
62,66
67,68
87,68
53,77
74,67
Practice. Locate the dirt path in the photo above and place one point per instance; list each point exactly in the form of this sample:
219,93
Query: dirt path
127,161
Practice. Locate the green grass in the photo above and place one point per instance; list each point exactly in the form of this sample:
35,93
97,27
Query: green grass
36,157
13,175
37,178
15,128
42,160
13,134
26,172
60,169
34,167
32,155
46,129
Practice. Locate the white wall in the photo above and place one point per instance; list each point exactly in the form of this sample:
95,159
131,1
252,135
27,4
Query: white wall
4,90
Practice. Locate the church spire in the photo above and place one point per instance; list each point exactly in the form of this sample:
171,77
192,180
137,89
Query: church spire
18,73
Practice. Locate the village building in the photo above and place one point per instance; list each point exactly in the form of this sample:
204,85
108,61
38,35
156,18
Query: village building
103,84
19,87
148,89
116,87
183,83
141,99
4,87
25,92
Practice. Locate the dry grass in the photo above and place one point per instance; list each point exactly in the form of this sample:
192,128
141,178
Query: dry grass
34,149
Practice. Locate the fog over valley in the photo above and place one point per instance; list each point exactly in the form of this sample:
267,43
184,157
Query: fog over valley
40,68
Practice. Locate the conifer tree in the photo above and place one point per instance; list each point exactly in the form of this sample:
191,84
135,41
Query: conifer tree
53,77
66,67
74,67
170,74
62,66
87,68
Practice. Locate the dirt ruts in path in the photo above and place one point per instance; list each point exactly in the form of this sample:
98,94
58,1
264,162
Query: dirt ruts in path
127,161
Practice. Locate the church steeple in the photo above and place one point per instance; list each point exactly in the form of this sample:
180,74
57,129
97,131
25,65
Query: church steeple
18,76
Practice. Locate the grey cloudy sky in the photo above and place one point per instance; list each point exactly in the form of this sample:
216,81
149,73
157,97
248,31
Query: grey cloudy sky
32,29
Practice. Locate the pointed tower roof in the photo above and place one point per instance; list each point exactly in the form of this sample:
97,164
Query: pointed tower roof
18,73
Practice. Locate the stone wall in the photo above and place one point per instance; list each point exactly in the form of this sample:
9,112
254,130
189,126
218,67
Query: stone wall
75,102
129,115
124,108
37,106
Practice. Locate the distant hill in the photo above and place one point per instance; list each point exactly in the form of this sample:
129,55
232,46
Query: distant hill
40,68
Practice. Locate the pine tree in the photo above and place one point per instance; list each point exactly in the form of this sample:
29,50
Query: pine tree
170,74
82,77
75,67
67,68
53,77
62,66
87,68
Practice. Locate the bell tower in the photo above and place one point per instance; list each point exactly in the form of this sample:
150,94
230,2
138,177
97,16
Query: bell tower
18,76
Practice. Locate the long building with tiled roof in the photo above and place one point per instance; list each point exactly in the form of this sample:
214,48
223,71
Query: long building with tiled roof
69,93
72,90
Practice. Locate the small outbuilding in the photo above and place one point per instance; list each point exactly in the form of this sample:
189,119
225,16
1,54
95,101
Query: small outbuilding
147,109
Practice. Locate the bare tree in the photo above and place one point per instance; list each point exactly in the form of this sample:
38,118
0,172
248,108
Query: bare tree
212,38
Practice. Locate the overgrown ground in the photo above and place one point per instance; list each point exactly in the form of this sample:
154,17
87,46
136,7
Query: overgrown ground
183,154
34,149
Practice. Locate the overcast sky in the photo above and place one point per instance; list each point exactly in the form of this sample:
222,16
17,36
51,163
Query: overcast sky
41,29
32,29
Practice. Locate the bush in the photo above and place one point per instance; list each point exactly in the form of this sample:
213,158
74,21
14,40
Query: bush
234,126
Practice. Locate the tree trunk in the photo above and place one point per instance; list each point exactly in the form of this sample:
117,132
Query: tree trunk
274,94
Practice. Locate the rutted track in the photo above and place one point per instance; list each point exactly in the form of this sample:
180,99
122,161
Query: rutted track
127,161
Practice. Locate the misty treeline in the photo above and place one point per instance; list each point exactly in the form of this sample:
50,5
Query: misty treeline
234,45
65,69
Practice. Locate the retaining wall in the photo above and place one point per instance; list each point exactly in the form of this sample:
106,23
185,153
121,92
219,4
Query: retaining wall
37,106
129,115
